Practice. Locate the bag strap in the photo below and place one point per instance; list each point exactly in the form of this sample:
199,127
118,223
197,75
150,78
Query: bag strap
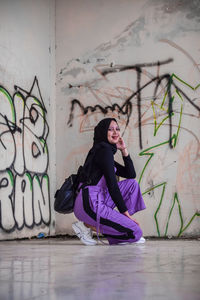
88,162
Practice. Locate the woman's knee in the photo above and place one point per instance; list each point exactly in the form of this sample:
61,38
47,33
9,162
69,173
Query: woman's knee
138,234
135,234
132,185
132,182
126,184
137,231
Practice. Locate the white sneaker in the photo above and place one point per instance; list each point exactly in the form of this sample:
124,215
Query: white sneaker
84,233
141,241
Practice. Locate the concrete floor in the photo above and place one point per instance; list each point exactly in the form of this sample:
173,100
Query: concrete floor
65,269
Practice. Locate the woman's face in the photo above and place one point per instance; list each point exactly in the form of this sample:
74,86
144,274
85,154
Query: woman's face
113,133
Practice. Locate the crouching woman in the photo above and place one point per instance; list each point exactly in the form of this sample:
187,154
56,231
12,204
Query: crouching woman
95,204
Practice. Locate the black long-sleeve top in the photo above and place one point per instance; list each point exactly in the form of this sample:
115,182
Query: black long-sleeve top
104,164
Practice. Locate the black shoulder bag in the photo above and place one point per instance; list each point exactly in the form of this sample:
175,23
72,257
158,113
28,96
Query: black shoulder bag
66,195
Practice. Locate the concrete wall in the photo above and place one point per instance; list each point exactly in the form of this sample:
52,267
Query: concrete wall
27,135
137,61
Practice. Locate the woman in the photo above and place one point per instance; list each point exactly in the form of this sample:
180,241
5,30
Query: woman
95,202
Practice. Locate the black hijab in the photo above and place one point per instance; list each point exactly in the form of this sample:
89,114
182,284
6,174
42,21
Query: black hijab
100,138
101,133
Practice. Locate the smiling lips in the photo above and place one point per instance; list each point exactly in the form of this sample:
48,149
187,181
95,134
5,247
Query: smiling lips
115,137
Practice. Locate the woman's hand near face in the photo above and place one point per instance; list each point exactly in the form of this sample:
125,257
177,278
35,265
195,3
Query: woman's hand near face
121,144
122,147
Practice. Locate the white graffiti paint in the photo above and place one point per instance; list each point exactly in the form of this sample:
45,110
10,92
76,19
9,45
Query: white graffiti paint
24,183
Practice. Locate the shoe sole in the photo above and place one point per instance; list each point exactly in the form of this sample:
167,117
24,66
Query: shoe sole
138,242
141,241
78,233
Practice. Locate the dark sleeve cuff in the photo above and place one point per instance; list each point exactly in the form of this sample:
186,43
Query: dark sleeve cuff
122,208
126,157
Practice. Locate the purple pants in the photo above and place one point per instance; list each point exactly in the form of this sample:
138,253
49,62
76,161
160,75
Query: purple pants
95,207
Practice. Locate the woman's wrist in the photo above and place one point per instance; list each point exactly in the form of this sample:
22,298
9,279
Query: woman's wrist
126,213
124,151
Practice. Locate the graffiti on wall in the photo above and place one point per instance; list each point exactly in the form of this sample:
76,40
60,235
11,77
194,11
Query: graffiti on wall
24,159
146,76
164,82
159,99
